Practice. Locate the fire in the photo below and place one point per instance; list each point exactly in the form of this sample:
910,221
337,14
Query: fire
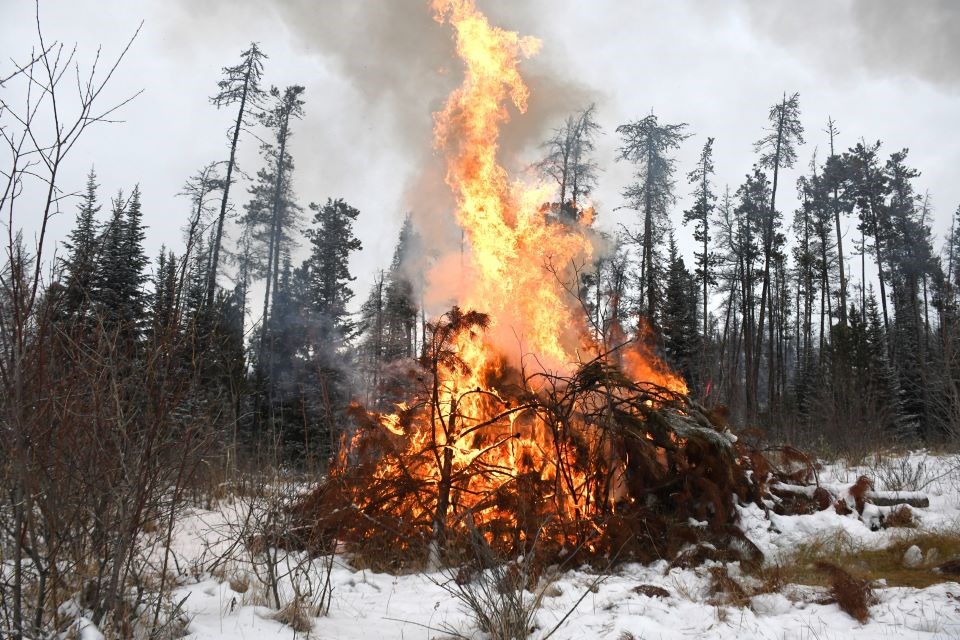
485,444
513,248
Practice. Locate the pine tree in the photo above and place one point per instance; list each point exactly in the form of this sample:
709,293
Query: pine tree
82,250
241,86
647,144
681,342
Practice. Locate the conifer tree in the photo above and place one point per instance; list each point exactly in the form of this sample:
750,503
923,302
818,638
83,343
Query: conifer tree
681,342
569,161
868,188
778,150
119,285
82,250
700,214
240,86
647,144
331,243
272,210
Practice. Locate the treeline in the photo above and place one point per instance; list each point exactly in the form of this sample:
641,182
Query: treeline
779,319
776,319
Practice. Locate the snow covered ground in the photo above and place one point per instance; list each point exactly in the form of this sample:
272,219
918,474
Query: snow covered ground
227,601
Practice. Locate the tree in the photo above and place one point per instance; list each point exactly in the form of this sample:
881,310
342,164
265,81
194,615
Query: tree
82,250
305,364
241,86
700,215
388,320
778,150
910,257
648,144
681,342
751,220
868,188
834,174
272,207
165,292
331,243
400,307
568,160
199,188
119,286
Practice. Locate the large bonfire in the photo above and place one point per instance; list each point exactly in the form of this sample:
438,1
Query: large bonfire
525,430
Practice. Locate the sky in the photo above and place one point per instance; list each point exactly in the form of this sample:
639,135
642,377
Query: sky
375,70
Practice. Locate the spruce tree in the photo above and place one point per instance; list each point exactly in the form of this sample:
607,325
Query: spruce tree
700,214
82,250
240,86
119,285
681,342
648,145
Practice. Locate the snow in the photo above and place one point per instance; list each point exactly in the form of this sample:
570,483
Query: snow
366,604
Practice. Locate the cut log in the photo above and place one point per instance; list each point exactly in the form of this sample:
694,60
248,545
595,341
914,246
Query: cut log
916,499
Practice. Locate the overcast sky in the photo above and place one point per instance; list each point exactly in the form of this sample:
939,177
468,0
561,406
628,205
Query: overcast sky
375,70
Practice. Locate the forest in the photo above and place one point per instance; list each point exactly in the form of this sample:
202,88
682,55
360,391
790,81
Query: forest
137,388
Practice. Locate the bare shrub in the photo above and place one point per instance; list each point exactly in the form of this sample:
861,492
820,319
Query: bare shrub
261,560
503,597
901,472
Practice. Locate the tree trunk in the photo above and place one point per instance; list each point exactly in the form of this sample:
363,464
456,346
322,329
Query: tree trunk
218,238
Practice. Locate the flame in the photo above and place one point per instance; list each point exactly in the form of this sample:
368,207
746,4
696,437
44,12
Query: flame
517,257
468,439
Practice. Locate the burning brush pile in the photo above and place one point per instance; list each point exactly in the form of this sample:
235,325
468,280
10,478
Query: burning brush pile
594,464
573,449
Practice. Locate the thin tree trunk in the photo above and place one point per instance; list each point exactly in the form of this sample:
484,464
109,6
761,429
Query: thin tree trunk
836,216
218,238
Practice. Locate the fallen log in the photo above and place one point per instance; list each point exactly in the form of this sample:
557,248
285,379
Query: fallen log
916,499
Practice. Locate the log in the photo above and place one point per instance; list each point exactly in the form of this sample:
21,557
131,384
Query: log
916,499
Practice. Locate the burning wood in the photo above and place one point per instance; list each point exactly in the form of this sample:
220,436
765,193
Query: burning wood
593,463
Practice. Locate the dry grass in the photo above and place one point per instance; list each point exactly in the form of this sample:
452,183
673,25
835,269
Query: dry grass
852,593
296,616
800,567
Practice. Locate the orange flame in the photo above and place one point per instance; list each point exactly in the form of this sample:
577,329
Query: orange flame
516,256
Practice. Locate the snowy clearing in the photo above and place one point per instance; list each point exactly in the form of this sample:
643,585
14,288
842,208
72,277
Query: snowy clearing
226,600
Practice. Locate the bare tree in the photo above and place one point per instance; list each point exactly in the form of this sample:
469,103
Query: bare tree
38,136
569,161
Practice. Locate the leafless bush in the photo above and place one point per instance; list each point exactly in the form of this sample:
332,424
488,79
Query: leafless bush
502,597
901,472
261,562
104,427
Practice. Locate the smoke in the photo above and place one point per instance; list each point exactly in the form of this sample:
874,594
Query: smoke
403,63
919,39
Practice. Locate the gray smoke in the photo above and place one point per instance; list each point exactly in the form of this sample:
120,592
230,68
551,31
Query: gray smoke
919,39
404,63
